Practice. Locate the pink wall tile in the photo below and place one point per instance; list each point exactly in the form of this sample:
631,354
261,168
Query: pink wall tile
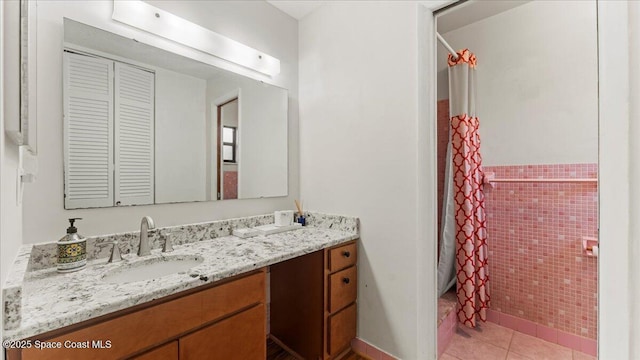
526,327
509,321
385,356
589,346
373,353
493,316
359,346
538,269
569,340
547,333
445,332
230,187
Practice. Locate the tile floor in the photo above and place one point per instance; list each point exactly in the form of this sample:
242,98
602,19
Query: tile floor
494,342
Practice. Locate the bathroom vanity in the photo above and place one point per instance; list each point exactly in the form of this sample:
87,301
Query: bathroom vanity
216,310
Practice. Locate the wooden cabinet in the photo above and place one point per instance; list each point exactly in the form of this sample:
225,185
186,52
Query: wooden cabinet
342,256
313,315
167,351
343,289
154,330
240,337
313,303
342,329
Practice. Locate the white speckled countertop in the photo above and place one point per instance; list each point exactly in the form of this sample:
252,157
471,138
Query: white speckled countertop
49,300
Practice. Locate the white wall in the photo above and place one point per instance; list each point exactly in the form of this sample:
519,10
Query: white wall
634,135
262,132
615,298
180,169
537,90
256,24
10,212
358,115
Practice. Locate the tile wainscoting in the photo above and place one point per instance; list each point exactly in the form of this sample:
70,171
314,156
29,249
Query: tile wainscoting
539,271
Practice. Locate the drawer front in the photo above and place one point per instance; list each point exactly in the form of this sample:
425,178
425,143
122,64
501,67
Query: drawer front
165,352
342,257
343,288
240,337
342,329
236,295
152,326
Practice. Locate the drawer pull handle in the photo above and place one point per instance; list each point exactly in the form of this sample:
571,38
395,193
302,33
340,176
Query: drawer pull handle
346,254
345,280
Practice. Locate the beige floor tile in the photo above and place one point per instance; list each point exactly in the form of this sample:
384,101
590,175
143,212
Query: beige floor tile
493,334
469,348
514,356
577,355
538,349
446,356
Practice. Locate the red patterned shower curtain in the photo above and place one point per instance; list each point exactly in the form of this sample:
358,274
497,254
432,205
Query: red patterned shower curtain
471,232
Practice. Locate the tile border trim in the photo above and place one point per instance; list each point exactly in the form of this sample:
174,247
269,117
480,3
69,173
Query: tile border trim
572,341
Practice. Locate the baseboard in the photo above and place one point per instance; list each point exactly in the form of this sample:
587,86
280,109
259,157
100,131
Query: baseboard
572,341
368,351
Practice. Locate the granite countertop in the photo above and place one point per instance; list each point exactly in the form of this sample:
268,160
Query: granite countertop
50,300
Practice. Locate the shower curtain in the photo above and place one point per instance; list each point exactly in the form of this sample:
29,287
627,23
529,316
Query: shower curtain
463,248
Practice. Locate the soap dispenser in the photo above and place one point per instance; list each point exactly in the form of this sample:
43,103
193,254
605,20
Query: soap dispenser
72,250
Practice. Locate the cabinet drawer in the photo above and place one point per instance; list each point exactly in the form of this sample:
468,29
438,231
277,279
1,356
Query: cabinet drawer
241,337
342,329
165,352
343,288
342,257
152,326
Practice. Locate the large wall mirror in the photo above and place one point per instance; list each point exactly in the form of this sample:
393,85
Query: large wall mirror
146,126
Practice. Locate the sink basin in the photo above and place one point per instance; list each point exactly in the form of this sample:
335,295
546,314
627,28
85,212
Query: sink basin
151,269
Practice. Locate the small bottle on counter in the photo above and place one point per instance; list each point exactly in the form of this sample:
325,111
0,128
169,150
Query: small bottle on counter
72,250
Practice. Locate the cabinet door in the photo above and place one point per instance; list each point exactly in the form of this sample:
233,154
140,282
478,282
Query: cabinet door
342,329
165,352
241,337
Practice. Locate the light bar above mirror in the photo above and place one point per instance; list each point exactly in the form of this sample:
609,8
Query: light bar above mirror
169,26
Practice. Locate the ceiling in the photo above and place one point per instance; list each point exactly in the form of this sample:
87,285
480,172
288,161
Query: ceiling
473,11
457,17
297,8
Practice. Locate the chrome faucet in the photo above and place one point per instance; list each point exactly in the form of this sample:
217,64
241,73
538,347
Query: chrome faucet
146,225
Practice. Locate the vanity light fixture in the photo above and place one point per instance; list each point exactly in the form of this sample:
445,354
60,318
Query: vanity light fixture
162,23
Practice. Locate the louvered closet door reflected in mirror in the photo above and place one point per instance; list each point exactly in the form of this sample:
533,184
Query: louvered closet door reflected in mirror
134,114
109,133
88,133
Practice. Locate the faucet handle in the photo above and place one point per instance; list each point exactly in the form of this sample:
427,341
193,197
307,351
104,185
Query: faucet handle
168,244
115,253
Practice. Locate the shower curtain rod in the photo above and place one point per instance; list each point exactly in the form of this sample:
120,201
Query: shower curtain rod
446,44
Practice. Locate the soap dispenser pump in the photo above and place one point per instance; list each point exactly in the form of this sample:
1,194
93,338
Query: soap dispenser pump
72,250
